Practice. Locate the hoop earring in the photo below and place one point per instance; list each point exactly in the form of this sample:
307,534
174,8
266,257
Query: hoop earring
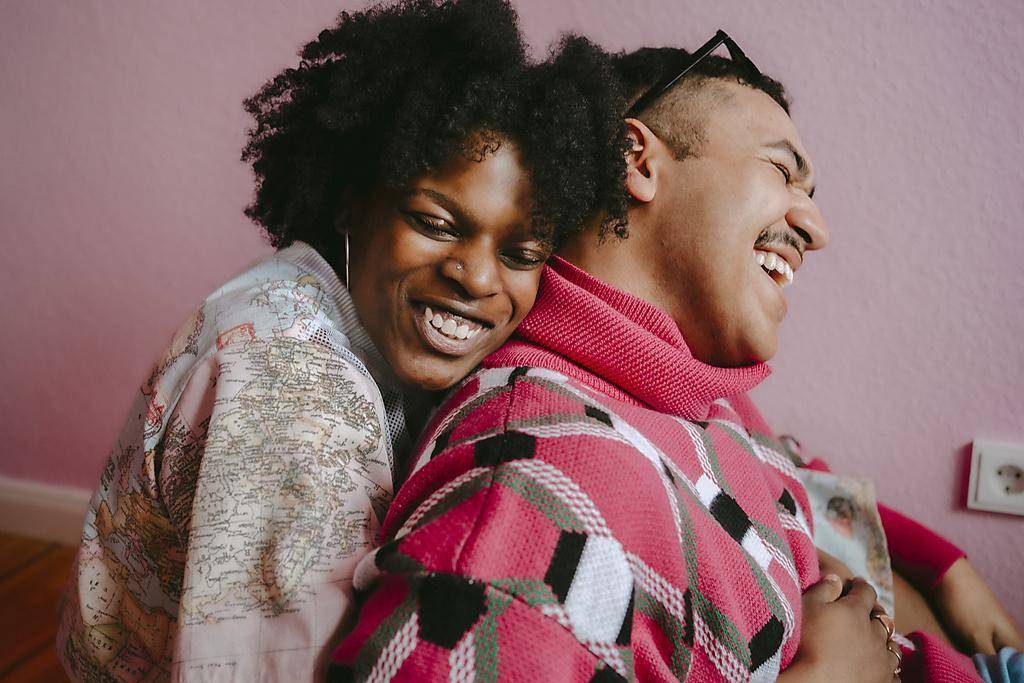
348,282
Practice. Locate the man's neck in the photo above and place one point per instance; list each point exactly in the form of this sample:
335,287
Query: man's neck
612,260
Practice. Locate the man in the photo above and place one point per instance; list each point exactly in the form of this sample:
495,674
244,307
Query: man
589,506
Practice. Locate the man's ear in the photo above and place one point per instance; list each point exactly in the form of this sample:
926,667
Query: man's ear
641,174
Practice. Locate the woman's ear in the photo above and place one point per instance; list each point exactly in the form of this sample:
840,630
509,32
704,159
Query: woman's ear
641,174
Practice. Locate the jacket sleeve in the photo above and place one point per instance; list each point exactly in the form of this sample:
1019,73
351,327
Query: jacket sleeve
228,543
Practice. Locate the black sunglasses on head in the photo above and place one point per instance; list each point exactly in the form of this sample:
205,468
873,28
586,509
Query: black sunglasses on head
692,60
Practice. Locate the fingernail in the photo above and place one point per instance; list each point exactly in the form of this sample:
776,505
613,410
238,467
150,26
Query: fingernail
833,578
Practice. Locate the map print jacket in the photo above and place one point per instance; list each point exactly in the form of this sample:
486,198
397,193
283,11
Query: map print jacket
252,473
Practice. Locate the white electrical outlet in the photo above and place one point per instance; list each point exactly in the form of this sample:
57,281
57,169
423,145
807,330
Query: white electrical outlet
997,477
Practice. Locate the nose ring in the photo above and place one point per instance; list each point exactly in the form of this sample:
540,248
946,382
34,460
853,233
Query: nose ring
459,266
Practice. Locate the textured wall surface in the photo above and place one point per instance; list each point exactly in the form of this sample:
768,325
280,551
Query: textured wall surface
121,196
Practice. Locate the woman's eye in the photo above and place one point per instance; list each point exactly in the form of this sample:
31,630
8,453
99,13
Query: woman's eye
524,259
435,227
783,170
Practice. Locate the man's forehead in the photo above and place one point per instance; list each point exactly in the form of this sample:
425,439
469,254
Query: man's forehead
752,116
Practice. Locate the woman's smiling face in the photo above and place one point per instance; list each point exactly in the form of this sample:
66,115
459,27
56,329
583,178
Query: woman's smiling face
442,273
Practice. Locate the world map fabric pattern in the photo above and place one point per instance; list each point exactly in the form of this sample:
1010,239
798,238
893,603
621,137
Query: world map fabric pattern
250,477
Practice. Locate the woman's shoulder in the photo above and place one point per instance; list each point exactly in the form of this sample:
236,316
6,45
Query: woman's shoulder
293,293
286,300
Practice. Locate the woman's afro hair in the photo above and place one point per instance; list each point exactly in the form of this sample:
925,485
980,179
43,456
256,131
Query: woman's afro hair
397,90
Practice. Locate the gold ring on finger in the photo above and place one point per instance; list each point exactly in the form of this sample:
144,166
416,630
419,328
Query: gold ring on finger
886,621
895,649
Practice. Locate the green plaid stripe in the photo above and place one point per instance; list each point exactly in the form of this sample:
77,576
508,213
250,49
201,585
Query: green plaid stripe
723,629
551,385
530,591
369,653
456,496
471,405
769,536
720,477
720,625
540,497
485,638
769,594
552,419
647,604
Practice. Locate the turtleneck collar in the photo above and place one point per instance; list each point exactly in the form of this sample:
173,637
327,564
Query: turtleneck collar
619,345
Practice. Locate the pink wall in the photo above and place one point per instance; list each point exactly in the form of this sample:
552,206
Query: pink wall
121,196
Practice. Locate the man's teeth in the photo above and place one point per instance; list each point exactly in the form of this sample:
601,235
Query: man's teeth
770,261
447,325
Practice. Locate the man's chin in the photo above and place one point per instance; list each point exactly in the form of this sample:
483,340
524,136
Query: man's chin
750,353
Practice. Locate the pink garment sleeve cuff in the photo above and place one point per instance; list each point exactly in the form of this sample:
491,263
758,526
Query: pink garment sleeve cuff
920,554
933,660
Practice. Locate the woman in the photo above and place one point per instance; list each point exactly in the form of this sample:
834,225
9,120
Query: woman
414,172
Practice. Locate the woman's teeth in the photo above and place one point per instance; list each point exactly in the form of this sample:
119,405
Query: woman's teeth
773,262
450,325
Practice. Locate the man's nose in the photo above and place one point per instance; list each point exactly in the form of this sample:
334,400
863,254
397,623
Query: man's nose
805,217
475,269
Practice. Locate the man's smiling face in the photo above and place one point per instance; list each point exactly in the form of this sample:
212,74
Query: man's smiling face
740,208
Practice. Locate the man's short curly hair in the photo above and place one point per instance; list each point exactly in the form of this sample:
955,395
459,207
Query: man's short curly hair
679,125
395,91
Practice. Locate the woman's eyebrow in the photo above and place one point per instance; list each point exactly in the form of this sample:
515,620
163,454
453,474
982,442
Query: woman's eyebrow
451,205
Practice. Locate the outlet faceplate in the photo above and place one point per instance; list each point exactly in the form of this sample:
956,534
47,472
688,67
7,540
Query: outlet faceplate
997,477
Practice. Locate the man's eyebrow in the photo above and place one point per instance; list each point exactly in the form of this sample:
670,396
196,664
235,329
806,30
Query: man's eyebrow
802,168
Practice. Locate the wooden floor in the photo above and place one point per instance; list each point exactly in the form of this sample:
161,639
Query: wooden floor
32,576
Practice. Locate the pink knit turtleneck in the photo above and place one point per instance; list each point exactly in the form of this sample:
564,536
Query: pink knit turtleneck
632,350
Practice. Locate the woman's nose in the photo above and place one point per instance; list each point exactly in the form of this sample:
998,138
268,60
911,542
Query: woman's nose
476,271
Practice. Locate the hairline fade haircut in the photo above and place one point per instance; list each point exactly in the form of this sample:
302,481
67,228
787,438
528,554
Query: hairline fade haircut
679,116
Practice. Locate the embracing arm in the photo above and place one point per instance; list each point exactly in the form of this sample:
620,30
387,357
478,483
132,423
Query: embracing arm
934,567
940,572
233,504
282,504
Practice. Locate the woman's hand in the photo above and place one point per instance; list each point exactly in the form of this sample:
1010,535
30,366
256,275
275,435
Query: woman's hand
840,641
972,614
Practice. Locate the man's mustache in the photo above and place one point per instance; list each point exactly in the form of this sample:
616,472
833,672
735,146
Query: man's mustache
771,236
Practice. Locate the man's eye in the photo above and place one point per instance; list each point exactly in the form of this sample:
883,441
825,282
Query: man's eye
783,170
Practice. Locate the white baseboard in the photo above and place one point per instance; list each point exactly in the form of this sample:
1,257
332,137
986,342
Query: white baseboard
43,511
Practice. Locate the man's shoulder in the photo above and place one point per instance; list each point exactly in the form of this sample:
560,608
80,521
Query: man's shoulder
523,412
493,400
